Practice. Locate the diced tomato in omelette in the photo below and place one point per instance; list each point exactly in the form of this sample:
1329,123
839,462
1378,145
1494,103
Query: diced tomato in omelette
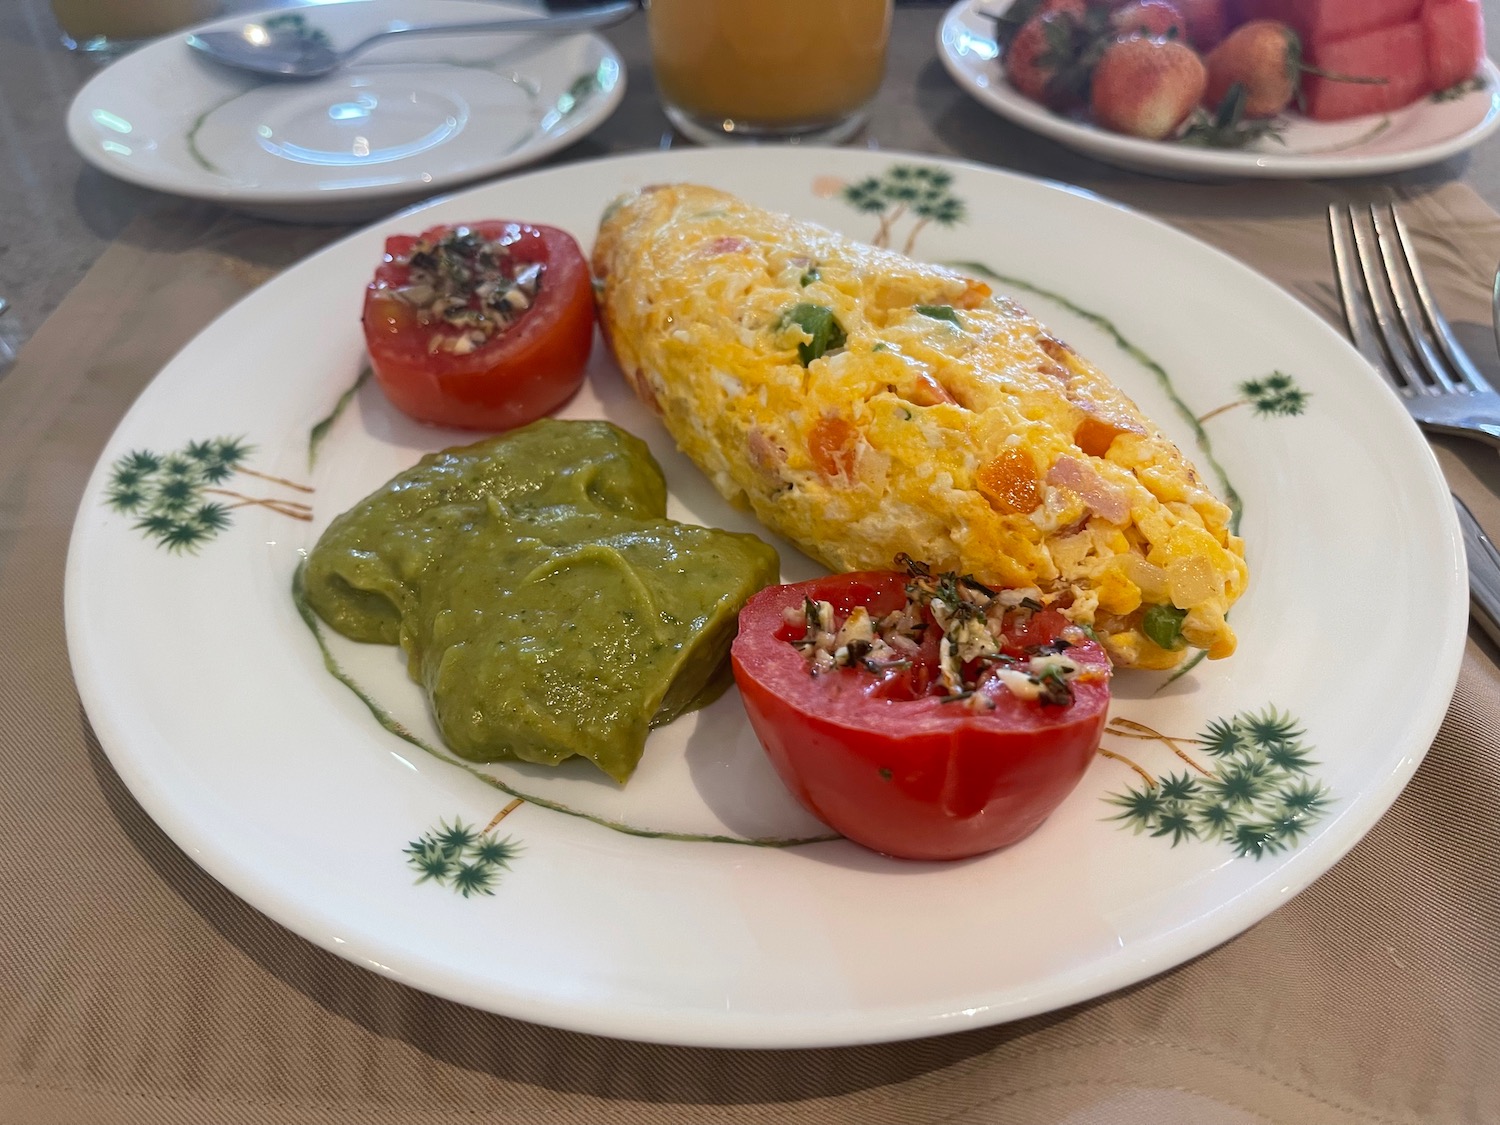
865,405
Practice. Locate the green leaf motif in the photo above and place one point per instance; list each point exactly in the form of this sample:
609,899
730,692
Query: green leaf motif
170,493
183,535
1179,786
1304,796
1260,797
459,857
1271,728
1221,738
1236,785
918,190
1215,818
1275,396
454,837
1176,822
1142,808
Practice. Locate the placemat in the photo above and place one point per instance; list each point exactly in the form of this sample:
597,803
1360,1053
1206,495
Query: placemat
133,988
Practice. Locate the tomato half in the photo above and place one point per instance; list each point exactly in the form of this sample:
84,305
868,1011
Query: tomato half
521,360
888,759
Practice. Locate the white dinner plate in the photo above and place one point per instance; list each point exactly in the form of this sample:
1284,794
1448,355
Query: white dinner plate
402,122
660,911
1430,130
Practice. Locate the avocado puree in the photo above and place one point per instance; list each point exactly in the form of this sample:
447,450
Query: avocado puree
543,600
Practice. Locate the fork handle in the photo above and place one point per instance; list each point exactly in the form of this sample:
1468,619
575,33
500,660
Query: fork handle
1484,572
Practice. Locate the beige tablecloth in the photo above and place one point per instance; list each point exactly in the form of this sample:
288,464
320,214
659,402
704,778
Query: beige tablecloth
133,988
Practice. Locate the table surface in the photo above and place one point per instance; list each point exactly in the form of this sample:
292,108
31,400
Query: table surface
61,214
1370,998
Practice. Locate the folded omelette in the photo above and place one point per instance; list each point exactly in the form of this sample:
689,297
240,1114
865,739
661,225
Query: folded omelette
865,405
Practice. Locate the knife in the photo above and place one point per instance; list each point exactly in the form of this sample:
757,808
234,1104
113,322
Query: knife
1484,572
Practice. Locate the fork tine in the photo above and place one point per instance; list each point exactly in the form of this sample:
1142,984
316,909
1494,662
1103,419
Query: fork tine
1402,367
1404,276
1352,294
1451,348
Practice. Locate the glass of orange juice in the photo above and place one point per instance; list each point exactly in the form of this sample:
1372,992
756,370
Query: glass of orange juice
768,69
106,27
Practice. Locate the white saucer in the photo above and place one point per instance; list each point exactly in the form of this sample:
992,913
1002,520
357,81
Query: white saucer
408,119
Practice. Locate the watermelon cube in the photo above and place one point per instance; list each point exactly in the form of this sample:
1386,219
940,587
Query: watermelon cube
1320,20
1397,54
1455,41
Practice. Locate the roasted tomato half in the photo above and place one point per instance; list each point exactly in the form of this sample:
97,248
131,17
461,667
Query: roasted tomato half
924,716
485,326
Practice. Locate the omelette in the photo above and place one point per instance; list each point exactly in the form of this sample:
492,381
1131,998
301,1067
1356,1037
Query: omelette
865,405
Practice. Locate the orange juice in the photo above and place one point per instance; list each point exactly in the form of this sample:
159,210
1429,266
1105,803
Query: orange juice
128,19
769,64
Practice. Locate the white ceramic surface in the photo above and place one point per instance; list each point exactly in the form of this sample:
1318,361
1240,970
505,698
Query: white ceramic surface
212,700
1419,134
402,122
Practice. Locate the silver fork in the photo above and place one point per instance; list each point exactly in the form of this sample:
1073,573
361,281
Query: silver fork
1397,326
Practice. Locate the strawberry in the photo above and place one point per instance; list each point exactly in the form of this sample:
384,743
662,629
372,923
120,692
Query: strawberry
1147,87
1009,23
1050,59
1157,19
1207,21
1264,58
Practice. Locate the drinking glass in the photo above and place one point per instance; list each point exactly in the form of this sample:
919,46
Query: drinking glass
104,28
788,70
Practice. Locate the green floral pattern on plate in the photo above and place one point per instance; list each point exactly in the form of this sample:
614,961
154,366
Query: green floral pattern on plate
179,498
1258,795
463,859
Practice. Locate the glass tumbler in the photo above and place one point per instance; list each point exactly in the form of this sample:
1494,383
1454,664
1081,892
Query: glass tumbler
768,70
104,28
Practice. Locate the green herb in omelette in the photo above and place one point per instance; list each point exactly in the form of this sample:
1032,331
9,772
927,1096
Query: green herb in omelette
940,312
818,322
1163,625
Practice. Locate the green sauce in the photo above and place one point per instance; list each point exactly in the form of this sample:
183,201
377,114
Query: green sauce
543,600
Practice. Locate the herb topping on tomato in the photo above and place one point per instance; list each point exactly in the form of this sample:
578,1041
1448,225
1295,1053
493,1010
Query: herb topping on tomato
925,716
484,325
474,286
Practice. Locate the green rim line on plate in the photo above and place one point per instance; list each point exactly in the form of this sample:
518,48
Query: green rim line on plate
319,431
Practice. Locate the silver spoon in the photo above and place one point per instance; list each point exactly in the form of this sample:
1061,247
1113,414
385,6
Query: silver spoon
302,52
1495,313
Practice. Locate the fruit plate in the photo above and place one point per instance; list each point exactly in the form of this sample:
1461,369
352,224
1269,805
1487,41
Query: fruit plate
679,908
405,120
1433,129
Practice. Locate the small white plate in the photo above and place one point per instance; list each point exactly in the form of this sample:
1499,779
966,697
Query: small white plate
648,913
400,123
1423,133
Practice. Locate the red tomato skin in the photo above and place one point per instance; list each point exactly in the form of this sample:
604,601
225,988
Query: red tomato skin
520,375
917,779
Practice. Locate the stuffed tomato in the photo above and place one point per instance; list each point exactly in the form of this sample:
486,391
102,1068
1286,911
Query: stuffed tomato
485,326
927,717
